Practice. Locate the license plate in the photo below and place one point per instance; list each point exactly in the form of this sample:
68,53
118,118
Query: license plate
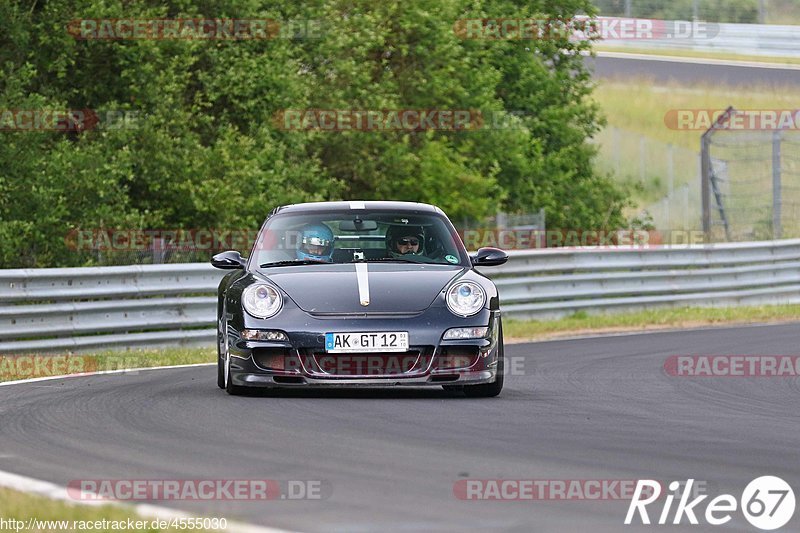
390,341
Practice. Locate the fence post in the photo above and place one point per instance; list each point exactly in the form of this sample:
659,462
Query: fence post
776,185
157,249
705,182
670,170
642,158
685,209
706,172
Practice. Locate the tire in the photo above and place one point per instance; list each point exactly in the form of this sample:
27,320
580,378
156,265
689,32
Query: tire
220,361
224,379
490,390
220,373
230,388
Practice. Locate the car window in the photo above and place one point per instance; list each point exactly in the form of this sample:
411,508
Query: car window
345,237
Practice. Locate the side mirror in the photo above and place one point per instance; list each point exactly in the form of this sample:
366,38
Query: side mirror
489,257
230,260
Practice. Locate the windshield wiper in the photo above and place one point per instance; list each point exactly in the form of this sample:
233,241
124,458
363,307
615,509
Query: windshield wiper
289,262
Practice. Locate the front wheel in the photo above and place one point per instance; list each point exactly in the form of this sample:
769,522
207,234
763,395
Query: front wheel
220,370
224,378
220,361
230,388
489,390
220,373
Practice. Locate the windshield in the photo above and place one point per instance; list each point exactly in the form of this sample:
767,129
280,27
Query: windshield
363,236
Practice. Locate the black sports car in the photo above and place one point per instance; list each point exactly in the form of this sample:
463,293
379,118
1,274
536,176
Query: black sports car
359,294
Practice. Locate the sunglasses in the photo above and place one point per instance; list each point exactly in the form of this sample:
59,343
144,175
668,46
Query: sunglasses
408,241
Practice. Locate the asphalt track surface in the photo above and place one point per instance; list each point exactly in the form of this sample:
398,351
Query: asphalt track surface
683,73
600,408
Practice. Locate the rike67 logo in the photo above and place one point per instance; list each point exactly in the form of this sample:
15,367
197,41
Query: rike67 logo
767,502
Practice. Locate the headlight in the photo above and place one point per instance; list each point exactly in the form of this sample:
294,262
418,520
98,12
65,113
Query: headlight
465,298
261,300
465,333
263,335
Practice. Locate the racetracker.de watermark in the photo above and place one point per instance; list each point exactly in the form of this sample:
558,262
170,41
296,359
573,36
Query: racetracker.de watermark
544,489
66,120
223,29
379,119
736,120
119,240
582,29
198,489
30,366
214,239
527,239
372,364
770,366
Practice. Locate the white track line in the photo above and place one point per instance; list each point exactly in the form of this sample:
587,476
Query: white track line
54,492
100,373
698,60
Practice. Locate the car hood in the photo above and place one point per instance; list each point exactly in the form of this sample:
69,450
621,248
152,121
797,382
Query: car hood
393,287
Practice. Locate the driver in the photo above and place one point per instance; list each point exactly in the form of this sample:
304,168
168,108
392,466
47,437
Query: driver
405,240
316,243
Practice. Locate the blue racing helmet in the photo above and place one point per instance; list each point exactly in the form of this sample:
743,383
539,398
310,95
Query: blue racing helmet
316,243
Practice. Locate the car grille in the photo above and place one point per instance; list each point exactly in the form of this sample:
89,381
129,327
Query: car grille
275,359
454,357
367,364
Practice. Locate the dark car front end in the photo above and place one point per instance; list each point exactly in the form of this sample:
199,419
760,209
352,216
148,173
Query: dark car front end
391,319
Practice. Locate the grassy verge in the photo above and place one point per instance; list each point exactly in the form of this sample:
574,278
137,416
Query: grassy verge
158,357
582,323
23,507
27,366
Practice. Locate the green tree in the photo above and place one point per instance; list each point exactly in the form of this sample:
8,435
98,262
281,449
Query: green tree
205,151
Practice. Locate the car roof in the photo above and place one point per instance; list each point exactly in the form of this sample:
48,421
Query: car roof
311,207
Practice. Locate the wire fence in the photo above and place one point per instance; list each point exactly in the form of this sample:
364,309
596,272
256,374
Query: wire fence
665,177
149,256
755,189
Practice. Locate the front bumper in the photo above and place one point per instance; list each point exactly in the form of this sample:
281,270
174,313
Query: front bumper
432,361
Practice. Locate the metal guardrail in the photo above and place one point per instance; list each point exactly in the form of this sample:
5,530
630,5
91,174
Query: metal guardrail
71,309
60,309
741,39
553,283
